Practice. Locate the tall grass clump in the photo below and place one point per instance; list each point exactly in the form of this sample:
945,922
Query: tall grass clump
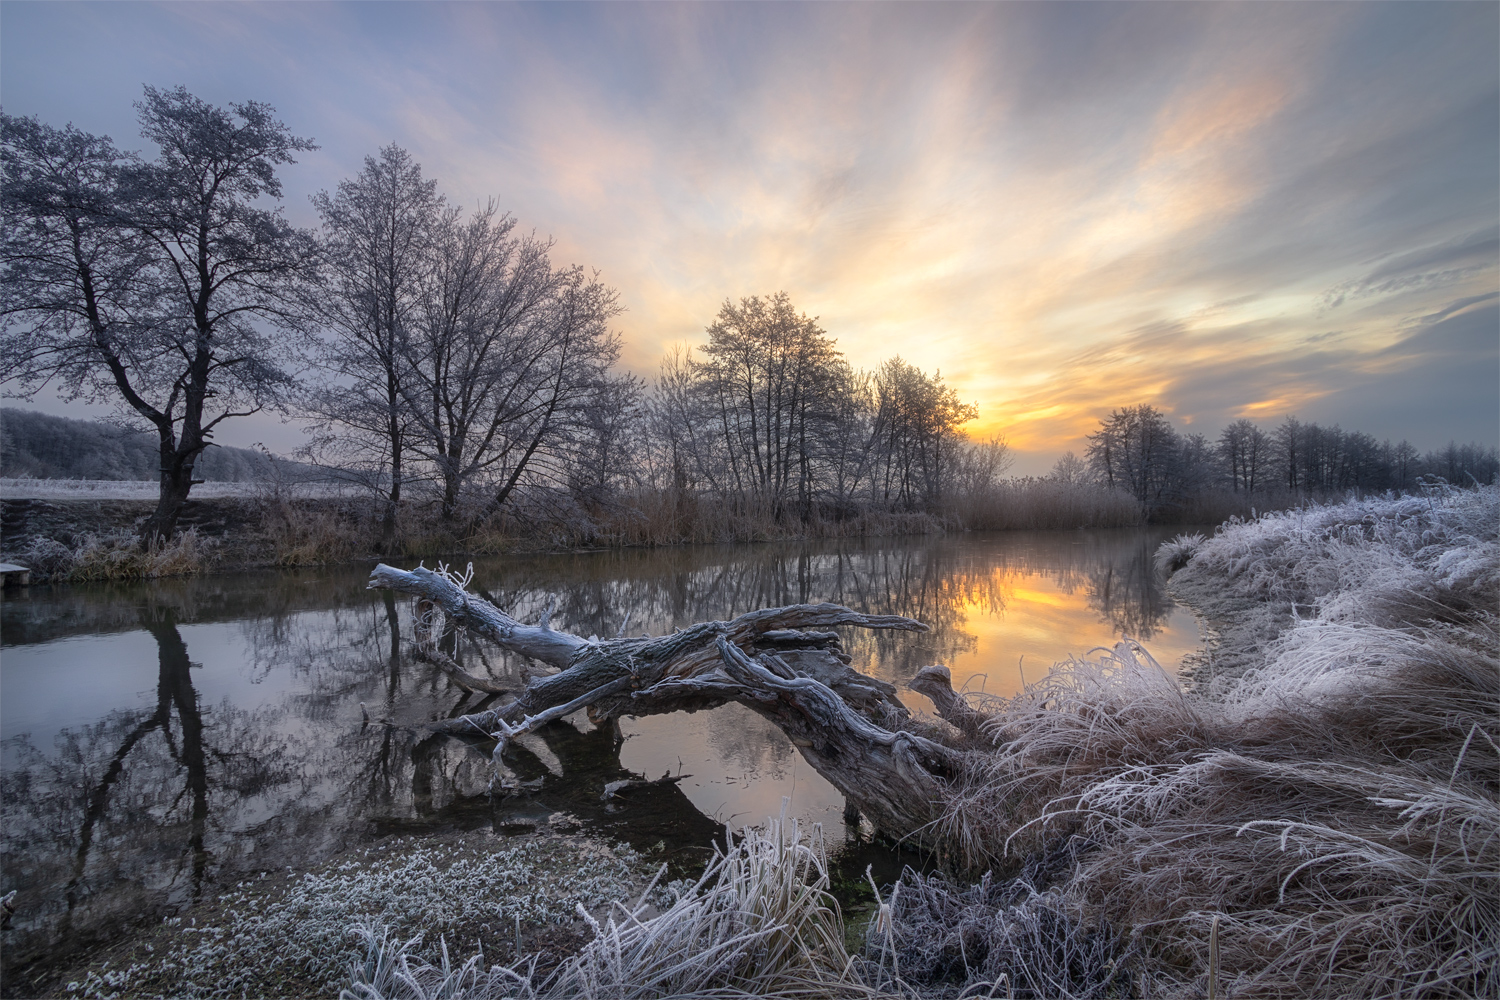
312,533
118,556
1320,804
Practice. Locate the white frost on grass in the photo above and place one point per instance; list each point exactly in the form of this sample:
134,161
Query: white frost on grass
283,943
760,922
1394,562
1348,561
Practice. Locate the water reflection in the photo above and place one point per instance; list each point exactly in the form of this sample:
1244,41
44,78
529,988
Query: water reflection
163,737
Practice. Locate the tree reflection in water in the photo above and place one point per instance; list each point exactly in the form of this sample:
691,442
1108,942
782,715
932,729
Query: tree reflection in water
130,809
119,819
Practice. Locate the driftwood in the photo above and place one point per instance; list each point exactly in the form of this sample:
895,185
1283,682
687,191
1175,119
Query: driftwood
780,662
615,788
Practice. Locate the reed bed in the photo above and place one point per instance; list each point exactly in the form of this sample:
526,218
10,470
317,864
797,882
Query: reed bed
1043,504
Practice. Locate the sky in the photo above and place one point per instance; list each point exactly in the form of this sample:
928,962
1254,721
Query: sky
1224,210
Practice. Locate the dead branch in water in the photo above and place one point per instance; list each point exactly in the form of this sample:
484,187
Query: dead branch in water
779,662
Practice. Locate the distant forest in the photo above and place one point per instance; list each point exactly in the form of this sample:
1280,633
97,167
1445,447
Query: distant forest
47,447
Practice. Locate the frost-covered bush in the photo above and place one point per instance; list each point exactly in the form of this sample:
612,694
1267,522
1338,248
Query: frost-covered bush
47,559
1005,938
118,556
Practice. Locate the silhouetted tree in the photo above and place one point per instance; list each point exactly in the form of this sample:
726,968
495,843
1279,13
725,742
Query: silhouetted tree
767,376
1245,451
503,361
1136,450
153,283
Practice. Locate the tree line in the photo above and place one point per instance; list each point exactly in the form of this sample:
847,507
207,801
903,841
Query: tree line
1137,450
440,353
443,359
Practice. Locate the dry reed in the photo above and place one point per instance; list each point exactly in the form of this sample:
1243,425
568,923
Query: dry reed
118,556
1042,504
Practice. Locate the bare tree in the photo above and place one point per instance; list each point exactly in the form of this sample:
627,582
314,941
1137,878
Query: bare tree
602,448
1071,469
1288,442
978,465
377,247
1136,450
675,421
1401,458
151,283
767,370
847,452
505,359
916,430
1245,451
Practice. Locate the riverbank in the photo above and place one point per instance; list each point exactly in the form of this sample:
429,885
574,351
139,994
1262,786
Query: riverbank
1312,814
85,530
1310,823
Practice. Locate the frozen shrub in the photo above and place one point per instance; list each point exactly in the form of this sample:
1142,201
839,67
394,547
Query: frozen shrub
998,937
48,559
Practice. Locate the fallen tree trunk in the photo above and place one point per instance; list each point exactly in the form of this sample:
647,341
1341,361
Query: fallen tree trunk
779,662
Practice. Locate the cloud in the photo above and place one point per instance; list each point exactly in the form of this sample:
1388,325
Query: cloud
1432,266
1224,210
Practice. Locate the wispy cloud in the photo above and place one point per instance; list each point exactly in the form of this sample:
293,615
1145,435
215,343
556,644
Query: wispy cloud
1226,210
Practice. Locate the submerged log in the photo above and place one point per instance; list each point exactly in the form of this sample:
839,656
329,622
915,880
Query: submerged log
779,662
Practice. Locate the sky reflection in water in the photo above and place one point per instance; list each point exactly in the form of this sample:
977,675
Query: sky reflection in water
161,738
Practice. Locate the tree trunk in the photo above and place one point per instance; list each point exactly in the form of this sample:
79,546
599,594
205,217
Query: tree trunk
176,481
849,726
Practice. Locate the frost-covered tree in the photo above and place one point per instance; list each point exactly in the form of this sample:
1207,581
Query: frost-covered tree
164,285
1070,469
602,446
917,421
766,376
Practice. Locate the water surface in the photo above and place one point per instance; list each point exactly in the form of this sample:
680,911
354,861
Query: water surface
163,738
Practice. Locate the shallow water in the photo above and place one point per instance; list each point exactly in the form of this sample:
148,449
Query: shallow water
161,739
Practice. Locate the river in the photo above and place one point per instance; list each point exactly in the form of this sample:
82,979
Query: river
164,738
